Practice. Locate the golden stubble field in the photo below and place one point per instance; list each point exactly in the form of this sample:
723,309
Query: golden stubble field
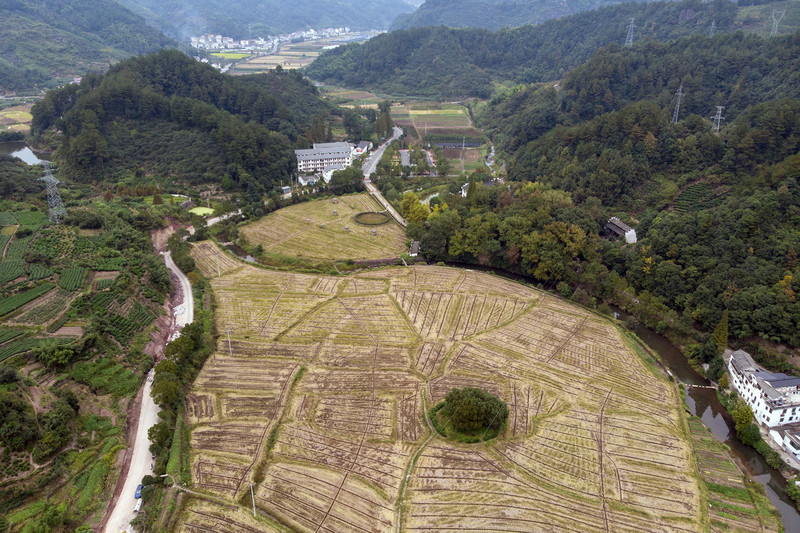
326,229
318,400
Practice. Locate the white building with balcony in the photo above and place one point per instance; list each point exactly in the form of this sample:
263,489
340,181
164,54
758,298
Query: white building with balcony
324,155
774,398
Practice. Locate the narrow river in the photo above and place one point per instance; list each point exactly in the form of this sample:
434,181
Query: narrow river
704,404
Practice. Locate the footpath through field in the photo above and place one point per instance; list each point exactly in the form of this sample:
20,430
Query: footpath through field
369,169
121,512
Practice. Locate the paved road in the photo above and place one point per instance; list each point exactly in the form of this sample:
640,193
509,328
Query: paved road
369,169
186,316
122,513
372,161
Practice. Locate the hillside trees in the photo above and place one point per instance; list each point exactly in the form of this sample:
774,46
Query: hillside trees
121,122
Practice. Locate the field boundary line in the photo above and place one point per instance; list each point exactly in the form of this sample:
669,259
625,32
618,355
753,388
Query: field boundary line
286,392
571,336
369,418
414,458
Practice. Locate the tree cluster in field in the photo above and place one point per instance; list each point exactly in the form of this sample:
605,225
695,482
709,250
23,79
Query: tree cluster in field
44,39
447,62
470,410
21,428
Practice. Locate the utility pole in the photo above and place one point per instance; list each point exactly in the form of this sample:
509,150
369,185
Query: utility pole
228,333
253,499
713,27
629,38
718,118
776,18
679,94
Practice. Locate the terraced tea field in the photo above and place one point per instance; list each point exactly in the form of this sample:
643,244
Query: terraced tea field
326,229
317,390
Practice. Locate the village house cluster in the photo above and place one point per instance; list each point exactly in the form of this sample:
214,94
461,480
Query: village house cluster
219,42
773,397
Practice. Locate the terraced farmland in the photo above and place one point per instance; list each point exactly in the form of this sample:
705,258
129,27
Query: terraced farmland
326,229
317,391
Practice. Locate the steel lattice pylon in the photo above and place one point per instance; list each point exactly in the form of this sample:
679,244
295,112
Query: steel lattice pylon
54,202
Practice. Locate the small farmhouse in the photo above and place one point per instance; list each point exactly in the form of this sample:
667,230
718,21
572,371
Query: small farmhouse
323,155
362,148
617,229
774,398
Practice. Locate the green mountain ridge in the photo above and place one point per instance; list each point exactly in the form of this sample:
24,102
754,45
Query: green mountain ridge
454,63
169,115
250,18
44,42
492,14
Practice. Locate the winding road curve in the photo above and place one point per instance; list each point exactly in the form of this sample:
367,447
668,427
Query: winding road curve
122,510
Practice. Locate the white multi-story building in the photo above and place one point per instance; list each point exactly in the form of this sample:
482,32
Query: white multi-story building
324,155
774,398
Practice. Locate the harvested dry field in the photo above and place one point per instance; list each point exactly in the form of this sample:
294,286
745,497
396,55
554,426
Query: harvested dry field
317,391
326,229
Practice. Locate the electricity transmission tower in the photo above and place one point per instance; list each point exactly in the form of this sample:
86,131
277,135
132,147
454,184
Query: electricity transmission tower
679,94
718,118
776,18
629,38
713,27
54,201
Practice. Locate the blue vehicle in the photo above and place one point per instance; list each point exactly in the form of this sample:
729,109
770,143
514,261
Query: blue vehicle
139,491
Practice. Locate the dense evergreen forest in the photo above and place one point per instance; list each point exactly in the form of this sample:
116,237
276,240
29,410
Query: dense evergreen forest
491,14
167,114
259,18
448,63
44,42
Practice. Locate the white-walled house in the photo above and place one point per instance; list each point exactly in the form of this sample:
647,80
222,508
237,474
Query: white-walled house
774,398
324,155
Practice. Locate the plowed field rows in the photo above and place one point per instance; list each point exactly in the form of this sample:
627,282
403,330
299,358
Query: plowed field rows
308,229
594,440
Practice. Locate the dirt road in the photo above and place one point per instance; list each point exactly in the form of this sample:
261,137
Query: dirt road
122,513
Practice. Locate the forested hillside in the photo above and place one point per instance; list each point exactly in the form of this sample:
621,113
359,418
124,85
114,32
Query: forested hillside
241,20
169,115
716,213
46,42
447,63
491,14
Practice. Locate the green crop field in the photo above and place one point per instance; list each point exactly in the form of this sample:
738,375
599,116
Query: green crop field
231,55
326,229
201,211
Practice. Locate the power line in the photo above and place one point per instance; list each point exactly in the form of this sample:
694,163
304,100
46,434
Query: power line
54,202
718,118
776,18
679,94
629,38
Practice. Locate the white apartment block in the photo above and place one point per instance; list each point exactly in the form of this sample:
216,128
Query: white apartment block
324,155
774,398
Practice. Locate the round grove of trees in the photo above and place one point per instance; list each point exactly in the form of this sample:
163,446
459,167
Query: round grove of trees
469,415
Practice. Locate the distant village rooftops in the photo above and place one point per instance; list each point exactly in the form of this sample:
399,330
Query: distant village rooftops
618,229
